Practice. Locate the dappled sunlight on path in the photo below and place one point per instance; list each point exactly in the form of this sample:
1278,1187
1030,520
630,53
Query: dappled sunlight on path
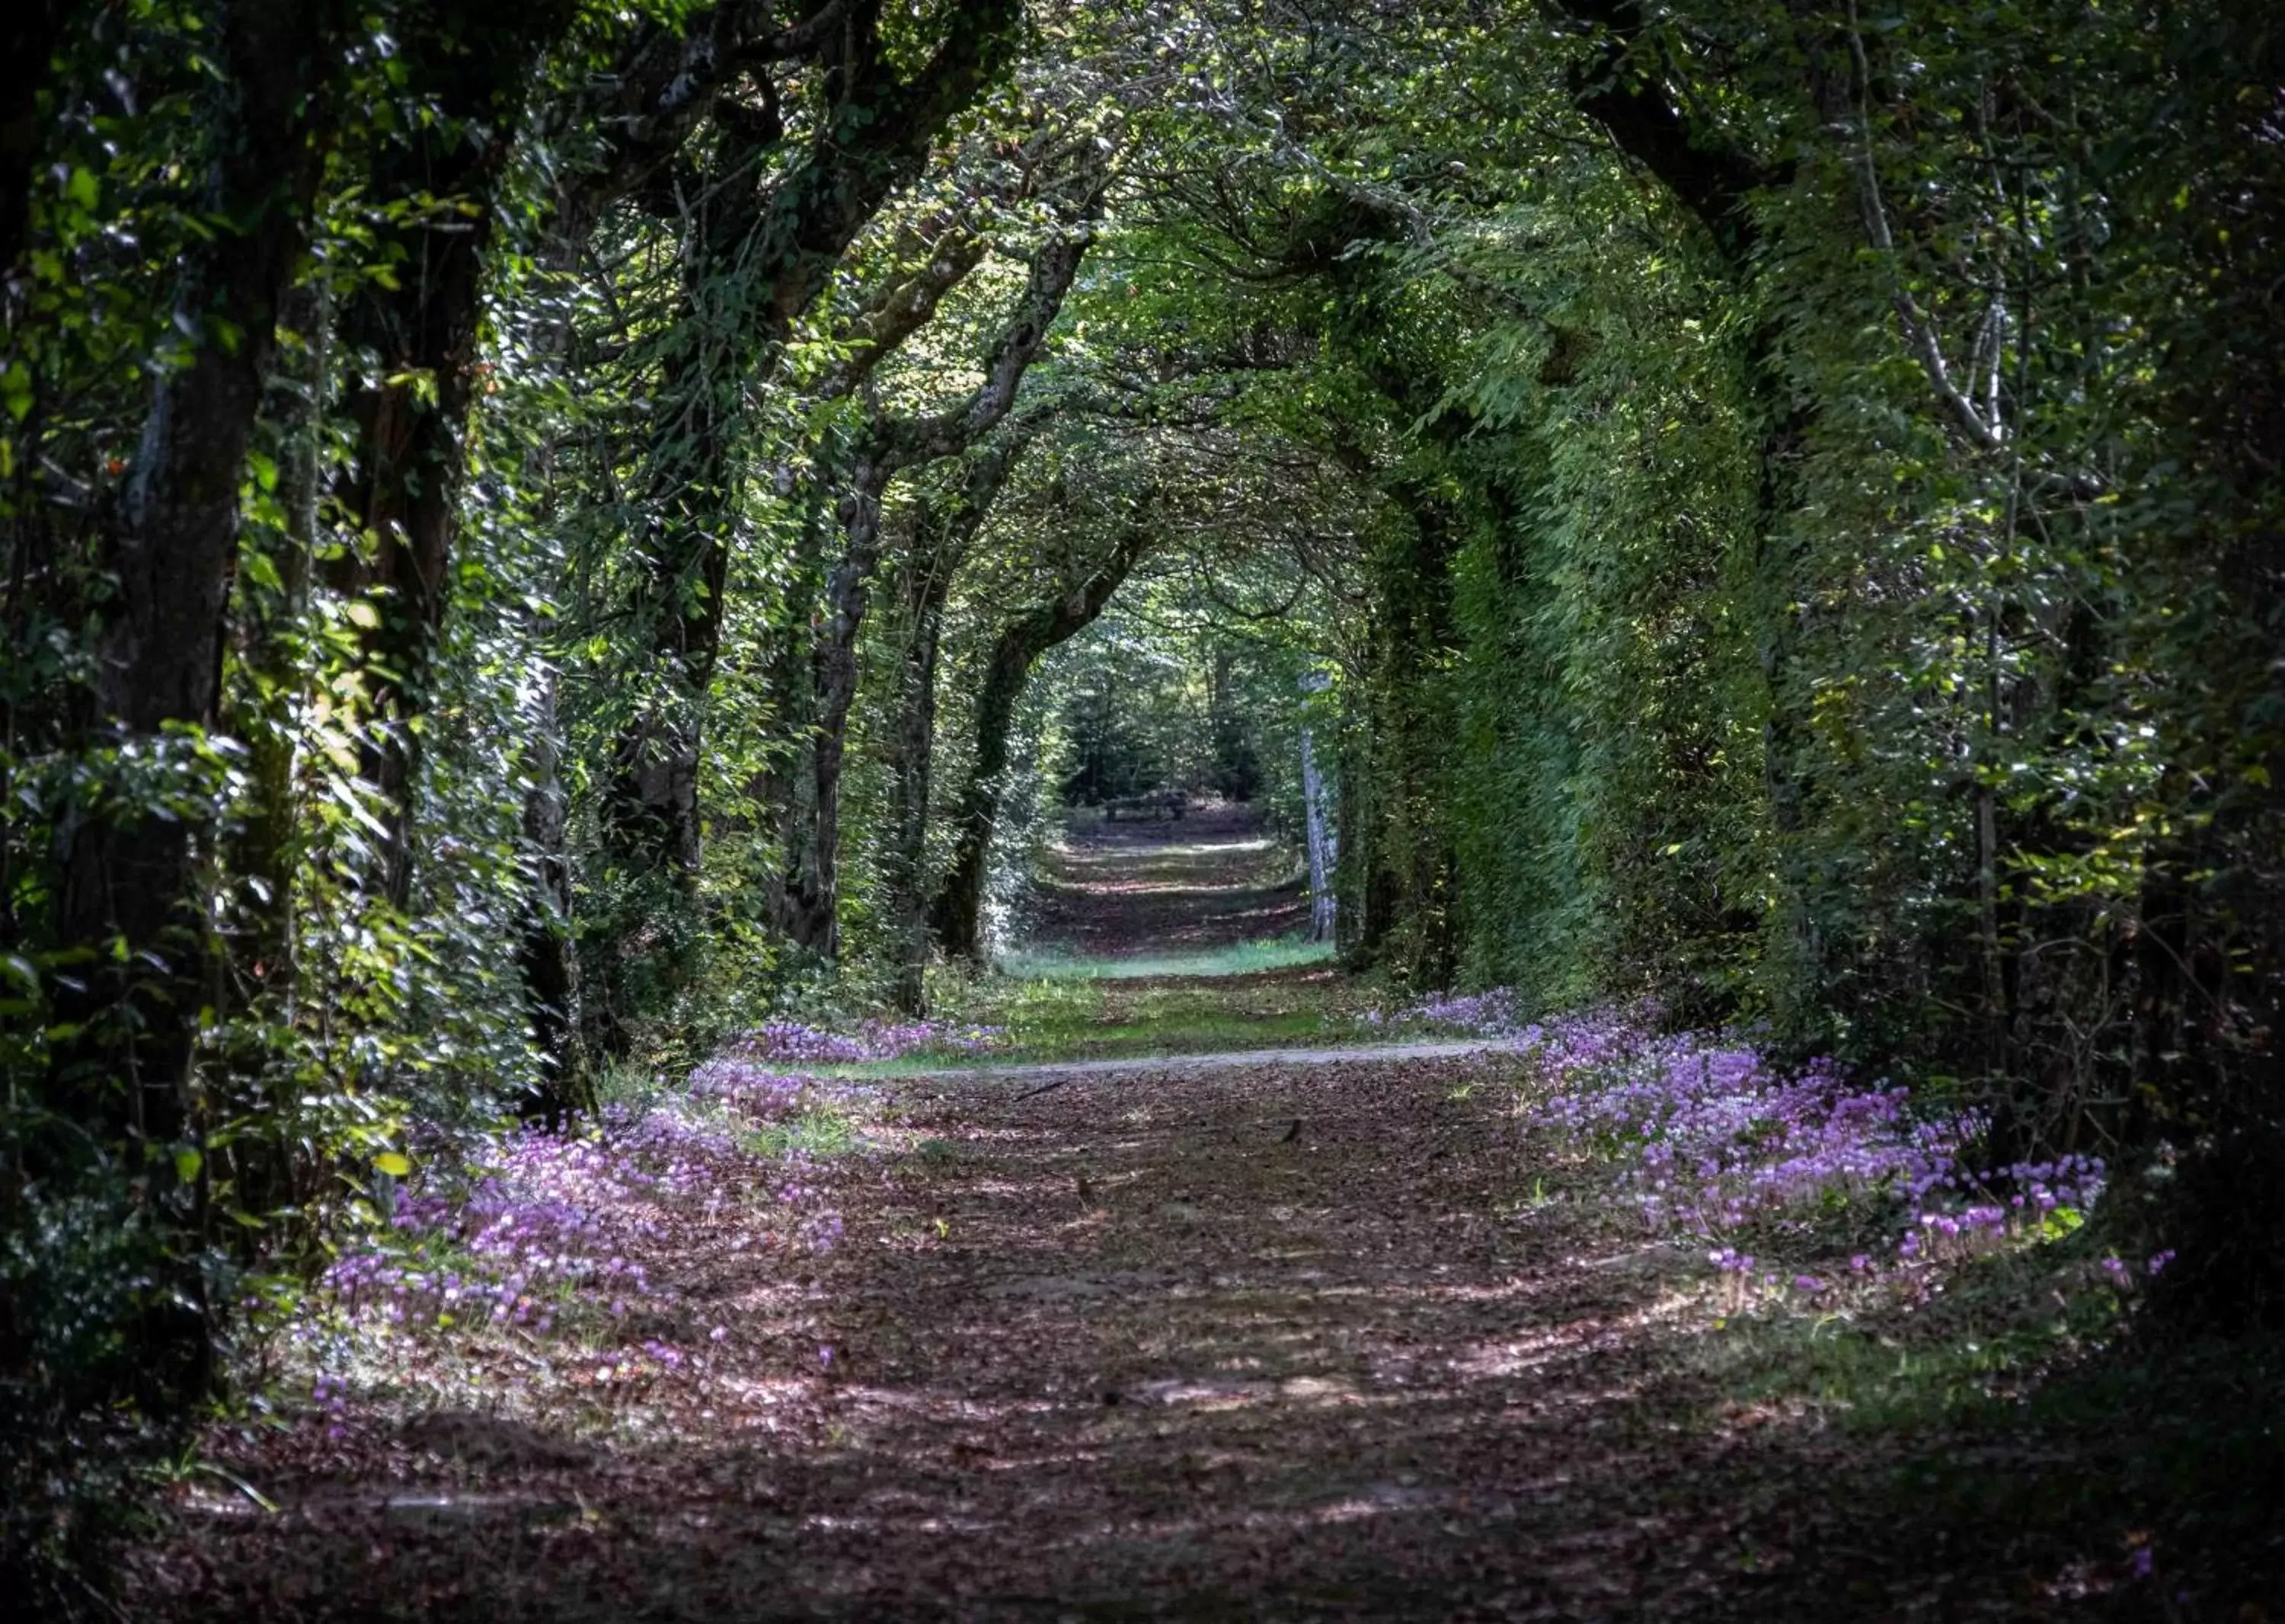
1236,1358
1280,1341
1273,1342
1250,1335
1210,880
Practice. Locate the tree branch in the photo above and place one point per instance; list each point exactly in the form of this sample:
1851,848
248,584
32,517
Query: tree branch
1709,174
1919,332
899,443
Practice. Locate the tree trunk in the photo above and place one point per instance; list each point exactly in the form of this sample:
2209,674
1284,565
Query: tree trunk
651,807
548,956
1715,178
129,876
921,586
28,37
475,69
1401,842
813,889
1320,842
937,544
957,912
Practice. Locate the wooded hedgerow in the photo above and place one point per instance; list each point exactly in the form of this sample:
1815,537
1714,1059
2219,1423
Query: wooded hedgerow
529,529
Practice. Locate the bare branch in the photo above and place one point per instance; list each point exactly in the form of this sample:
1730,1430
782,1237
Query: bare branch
1919,332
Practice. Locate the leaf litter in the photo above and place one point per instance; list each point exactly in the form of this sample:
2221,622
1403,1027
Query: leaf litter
1422,1338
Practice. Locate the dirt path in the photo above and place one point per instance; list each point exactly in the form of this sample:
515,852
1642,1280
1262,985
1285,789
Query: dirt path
1220,1061
1182,885
1275,1342
1279,1342
1258,1337
1250,1334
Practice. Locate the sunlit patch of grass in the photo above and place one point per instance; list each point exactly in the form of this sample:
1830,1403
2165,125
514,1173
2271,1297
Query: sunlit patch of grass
1176,1032
1091,1017
1274,994
1881,1359
1238,959
819,1131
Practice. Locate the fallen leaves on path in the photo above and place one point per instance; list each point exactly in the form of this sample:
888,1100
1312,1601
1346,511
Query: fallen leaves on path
1135,1348
1405,1337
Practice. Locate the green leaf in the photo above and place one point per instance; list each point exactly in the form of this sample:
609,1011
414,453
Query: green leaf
392,1164
16,390
187,1163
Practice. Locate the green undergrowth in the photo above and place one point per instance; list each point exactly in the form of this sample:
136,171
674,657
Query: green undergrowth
2028,1410
2015,1410
1973,1401
1986,1334
823,1131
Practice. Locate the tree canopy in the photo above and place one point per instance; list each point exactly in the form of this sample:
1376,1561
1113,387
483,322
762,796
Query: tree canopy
539,535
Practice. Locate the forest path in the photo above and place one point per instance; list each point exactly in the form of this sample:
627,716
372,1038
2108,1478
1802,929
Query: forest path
1141,888
1251,1334
1232,1335
1271,1339
1245,1334
1285,1342
1216,1060
1279,1342
1157,919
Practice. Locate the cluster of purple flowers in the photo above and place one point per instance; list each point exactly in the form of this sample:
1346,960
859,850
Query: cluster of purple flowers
747,1086
1490,1015
790,1040
2067,1185
556,1219
552,1219
1715,1139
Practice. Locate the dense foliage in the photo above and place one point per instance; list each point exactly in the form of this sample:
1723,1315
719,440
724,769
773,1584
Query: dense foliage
538,536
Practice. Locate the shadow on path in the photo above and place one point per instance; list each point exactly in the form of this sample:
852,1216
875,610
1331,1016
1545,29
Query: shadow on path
1280,1343
1212,879
1259,1341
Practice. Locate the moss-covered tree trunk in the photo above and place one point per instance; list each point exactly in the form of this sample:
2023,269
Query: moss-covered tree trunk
441,176
130,864
922,583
